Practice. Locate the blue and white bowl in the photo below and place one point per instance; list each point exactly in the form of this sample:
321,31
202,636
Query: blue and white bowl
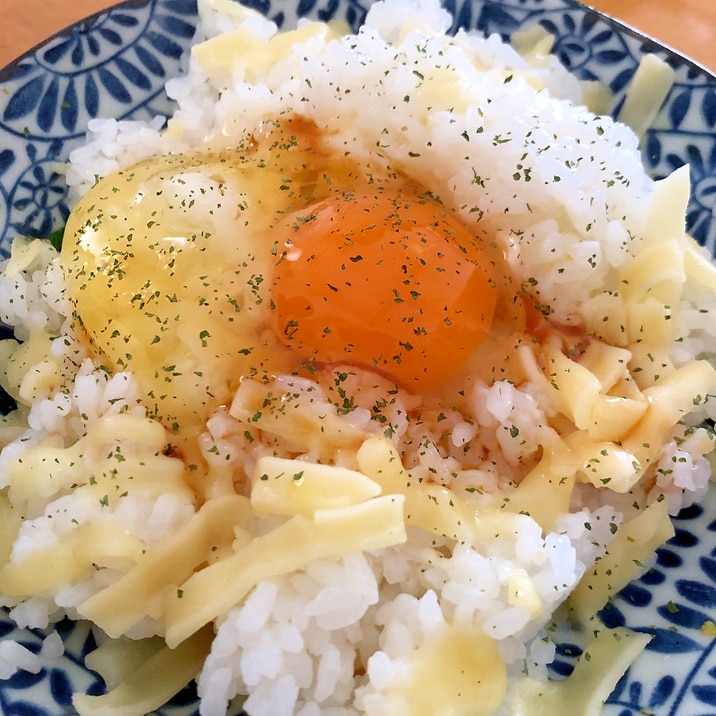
116,63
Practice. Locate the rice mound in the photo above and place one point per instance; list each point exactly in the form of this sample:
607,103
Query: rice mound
505,140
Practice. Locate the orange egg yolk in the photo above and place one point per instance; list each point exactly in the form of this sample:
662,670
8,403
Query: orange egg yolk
383,278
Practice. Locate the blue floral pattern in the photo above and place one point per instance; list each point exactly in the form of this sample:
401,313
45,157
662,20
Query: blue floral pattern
116,63
674,602
111,65
26,693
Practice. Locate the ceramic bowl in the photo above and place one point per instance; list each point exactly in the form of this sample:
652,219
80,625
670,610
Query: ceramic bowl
116,63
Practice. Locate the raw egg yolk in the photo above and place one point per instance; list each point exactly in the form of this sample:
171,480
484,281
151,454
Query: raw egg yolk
383,278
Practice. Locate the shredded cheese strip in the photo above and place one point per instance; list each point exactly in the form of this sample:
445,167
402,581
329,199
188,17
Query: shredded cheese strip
430,507
153,682
115,659
669,402
457,669
544,494
241,48
139,592
604,463
296,487
599,668
92,544
623,561
667,209
214,590
546,491
647,91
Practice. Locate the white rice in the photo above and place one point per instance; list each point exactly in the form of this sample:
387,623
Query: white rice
545,171
488,142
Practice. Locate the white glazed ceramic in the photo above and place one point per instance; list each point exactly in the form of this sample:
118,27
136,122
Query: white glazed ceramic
116,63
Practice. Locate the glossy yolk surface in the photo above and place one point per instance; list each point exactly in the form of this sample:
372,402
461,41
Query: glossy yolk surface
387,278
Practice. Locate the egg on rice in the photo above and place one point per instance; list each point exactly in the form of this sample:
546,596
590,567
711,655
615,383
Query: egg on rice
382,350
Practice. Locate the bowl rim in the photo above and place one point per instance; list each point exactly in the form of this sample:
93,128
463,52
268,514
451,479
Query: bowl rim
648,43
7,71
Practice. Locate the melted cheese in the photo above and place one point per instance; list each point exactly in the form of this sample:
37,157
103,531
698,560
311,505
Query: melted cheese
457,671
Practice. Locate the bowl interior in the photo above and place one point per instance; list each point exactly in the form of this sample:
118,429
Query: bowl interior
116,63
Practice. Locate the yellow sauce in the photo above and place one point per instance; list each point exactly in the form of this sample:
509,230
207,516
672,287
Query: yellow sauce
457,671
